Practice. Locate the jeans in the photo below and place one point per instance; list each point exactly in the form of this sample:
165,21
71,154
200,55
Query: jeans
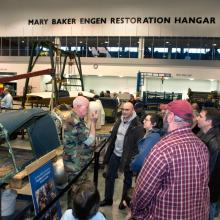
214,210
112,171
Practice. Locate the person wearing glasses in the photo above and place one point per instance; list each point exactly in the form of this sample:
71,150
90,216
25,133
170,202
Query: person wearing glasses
152,124
122,148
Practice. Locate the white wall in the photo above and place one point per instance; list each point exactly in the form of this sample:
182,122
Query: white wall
114,84
15,14
128,84
112,69
179,69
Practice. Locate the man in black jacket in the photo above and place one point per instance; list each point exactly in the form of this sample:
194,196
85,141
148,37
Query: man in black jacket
122,148
208,122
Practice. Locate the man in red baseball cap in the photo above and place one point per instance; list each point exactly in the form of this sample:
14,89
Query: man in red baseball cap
181,109
173,182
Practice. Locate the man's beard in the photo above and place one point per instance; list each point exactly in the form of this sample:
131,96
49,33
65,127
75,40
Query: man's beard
165,125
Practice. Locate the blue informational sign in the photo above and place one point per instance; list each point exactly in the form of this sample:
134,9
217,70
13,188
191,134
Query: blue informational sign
44,191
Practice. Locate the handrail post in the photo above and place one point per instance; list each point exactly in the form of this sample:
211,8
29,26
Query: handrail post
96,168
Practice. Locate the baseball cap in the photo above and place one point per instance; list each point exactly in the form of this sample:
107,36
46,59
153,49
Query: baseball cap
181,108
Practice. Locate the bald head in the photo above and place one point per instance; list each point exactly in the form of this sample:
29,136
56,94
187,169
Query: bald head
80,100
80,106
128,105
6,90
127,110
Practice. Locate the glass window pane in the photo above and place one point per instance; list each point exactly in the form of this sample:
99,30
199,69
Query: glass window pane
32,40
92,44
131,49
161,49
75,48
23,46
64,48
82,44
63,42
70,42
14,46
148,44
103,43
134,44
114,45
176,50
5,46
125,44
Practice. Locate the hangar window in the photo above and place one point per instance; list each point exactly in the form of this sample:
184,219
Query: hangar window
157,47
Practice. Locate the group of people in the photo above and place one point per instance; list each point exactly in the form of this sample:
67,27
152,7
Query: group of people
177,172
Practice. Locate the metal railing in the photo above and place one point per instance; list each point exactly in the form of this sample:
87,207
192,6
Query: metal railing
94,159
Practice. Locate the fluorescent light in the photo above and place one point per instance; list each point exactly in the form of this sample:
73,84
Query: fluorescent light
191,79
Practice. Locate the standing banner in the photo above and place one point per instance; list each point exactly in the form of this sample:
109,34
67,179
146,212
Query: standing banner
44,191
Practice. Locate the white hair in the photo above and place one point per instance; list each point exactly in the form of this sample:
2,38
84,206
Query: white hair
80,100
179,120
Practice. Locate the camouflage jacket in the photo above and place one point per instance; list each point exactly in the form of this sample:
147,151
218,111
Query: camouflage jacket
76,153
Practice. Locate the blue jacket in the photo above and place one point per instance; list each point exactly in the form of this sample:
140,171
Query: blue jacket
69,216
144,147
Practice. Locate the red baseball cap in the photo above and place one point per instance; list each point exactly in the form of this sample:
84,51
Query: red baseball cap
181,108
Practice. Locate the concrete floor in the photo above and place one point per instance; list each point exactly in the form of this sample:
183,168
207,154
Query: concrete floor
112,212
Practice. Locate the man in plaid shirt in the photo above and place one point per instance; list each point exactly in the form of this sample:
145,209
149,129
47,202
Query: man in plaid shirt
173,183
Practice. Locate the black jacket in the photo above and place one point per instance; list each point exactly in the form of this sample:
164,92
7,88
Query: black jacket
134,133
212,141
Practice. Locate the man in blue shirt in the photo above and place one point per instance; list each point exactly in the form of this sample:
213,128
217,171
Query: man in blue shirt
7,101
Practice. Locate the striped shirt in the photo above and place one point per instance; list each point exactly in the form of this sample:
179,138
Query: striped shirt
173,183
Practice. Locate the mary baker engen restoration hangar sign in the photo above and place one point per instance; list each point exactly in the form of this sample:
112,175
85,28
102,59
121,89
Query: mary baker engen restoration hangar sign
123,20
